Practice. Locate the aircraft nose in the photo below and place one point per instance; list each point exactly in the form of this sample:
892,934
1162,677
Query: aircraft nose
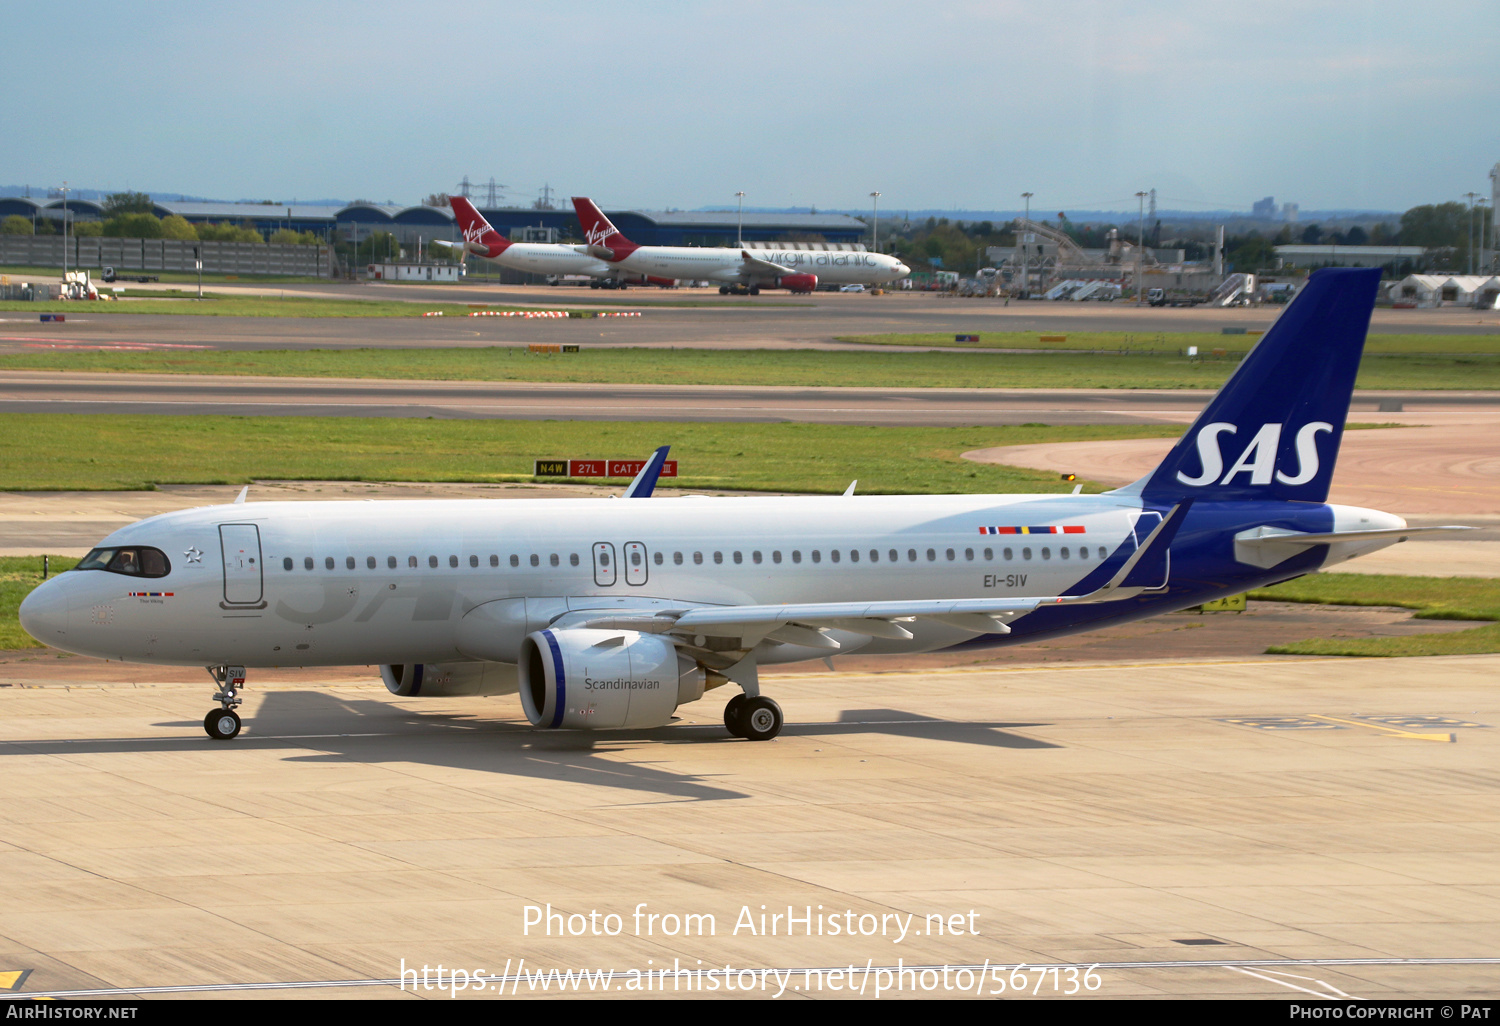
902,270
44,613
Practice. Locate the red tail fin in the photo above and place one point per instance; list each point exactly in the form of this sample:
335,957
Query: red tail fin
604,239
479,238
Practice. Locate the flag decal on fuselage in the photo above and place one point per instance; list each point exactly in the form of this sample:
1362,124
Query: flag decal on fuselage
1048,529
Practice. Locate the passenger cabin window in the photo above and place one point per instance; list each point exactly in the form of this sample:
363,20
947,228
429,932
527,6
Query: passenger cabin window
411,562
370,562
515,560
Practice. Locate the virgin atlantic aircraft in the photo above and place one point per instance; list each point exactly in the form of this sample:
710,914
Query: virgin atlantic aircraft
607,613
483,241
734,269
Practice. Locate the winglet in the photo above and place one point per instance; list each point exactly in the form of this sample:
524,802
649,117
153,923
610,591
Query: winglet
645,482
241,497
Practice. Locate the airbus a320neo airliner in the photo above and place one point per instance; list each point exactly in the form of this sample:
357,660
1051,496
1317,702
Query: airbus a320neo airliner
608,613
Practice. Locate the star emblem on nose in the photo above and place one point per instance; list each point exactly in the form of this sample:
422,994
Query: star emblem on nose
194,554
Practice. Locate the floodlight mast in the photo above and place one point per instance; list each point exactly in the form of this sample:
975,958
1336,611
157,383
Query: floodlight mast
875,222
739,222
1025,224
1140,252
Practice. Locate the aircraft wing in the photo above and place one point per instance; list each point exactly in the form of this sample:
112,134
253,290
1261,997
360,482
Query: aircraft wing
804,623
756,268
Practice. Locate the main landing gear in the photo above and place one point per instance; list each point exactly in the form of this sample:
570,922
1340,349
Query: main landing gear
754,719
223,723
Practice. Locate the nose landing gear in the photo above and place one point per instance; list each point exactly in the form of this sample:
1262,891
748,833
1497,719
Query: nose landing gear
223,723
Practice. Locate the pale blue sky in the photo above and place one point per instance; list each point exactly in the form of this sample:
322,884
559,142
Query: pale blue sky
674,104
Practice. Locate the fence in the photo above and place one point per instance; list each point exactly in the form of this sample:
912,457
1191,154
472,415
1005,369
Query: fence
166,255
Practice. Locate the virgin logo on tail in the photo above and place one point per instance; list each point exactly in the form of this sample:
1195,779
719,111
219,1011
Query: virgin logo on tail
597,234
1258,459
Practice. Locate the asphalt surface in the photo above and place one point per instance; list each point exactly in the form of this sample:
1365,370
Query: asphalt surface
1158,799
718,322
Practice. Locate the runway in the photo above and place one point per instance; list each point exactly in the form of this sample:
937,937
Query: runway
782,322
69,392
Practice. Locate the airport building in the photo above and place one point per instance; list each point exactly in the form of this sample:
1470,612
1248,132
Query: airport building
414,224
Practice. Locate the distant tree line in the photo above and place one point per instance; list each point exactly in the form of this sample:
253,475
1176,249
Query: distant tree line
128,215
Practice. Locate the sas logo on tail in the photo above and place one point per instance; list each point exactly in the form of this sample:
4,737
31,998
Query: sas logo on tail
1258,459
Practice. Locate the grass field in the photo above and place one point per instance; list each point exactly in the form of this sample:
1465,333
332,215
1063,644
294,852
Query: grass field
1433,598
811,367
18,575
52,452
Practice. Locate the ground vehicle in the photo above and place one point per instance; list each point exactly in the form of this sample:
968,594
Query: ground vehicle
852,288
1156,297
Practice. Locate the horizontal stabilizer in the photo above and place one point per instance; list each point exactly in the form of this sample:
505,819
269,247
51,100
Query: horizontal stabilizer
1268,546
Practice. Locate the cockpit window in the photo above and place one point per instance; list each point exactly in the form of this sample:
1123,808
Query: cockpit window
134,560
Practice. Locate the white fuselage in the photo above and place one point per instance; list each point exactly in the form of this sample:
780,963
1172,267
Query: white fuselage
549,258
728,265
433,581
335,583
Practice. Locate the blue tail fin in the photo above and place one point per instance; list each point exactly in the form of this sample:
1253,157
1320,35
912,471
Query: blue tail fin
1273,431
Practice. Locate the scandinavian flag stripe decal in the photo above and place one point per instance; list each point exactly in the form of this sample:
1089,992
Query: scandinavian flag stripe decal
1048,529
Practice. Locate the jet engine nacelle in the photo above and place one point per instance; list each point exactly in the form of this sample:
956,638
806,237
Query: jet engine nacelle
448,680
595,679
798,282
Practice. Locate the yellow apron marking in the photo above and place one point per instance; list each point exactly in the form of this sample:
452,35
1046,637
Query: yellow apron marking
1392,731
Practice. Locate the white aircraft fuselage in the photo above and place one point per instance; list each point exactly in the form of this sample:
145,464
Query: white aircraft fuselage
833,267
435,581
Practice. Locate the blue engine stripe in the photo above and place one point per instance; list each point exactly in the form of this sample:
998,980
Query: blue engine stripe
557,665
416,681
